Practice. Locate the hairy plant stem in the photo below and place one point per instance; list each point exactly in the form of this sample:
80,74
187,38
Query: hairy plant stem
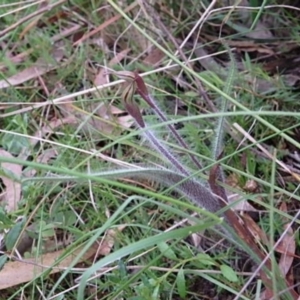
143,92
174,132
166,153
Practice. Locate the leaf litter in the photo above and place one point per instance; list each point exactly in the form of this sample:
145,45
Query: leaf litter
287,245
100,116
105,113
29,268
10,173
25,270
39,68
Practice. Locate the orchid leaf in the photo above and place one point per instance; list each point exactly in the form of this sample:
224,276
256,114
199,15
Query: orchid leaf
188,187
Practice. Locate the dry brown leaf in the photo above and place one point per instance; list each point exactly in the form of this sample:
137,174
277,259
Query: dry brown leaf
38,69
17,272
154,58
241,45
103,120
262,237
42,158
208,62
49,128
255,230
28,17
101,77
257,48
251,186
12,193
20,57
126,121
288,245
240,205
106,244
44,130
261,30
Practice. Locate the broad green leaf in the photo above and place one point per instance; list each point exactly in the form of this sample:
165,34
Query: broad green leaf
9,174
181,284
13,235
70,218
191,94
166,250
48,230
205,259
155,293
5,222
229,273
3,260
15,144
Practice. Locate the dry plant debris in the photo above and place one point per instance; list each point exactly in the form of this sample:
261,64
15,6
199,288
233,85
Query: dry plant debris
10,176
25,270
58,95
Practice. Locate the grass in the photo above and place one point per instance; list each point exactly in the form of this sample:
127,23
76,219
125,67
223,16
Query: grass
133,238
